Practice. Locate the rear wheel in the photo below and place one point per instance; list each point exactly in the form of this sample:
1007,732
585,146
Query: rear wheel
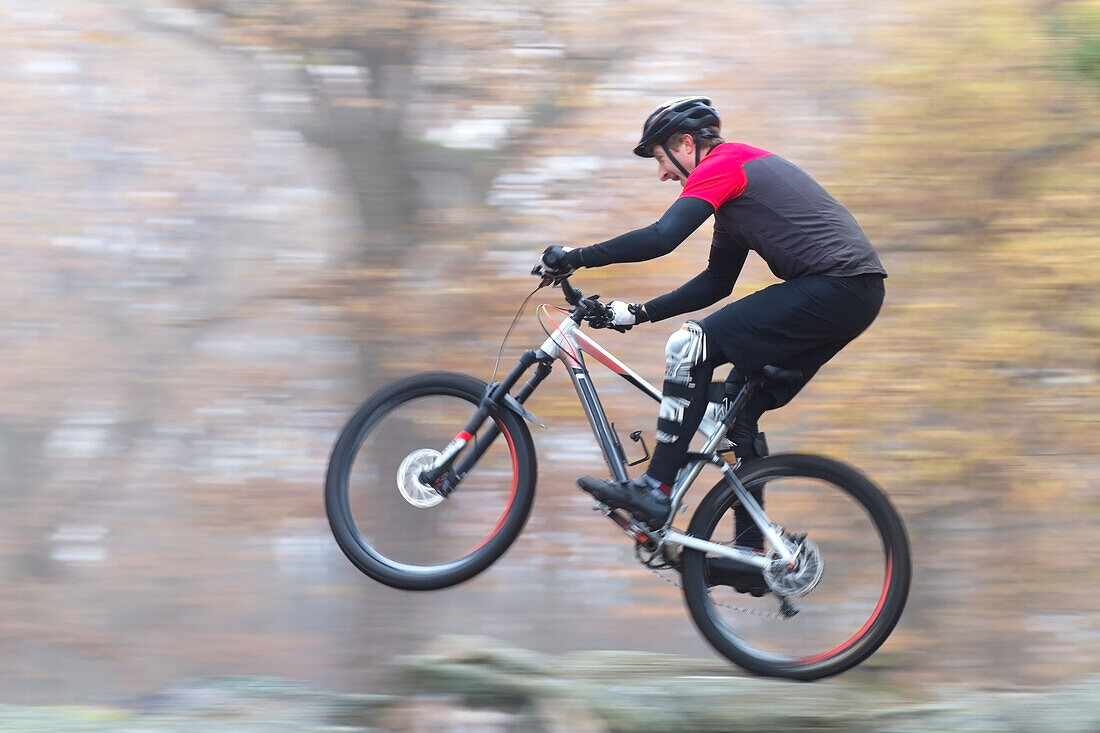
402,532
849,582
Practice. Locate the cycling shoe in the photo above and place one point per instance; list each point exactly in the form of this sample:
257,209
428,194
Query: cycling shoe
743,579
637,496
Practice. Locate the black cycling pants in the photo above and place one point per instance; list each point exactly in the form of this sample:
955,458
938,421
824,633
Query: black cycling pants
798,324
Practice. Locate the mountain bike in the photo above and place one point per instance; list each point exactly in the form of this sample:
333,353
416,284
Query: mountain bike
433,478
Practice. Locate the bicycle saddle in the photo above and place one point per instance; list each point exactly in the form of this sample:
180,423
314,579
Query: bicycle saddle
772,373
769,374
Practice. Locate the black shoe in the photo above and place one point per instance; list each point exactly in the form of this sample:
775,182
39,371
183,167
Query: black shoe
637,496
742,578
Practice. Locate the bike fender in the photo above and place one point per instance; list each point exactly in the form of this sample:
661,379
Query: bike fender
514,405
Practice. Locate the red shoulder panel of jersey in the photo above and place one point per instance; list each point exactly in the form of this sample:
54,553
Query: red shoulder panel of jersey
720,176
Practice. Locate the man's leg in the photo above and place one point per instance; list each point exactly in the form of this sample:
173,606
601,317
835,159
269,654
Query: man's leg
772,326
749,445
689,364
797,325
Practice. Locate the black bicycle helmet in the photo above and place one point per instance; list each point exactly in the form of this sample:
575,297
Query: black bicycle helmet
689,114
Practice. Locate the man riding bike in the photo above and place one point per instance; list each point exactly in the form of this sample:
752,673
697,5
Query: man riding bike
831,288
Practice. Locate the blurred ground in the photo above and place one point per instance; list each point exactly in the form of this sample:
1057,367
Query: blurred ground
473,684
224,224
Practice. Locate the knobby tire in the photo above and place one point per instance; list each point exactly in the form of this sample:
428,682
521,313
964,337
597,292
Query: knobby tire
724,635
375,416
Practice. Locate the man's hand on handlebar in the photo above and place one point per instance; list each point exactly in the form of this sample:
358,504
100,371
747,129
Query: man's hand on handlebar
615,315
554,263
554,267
622,314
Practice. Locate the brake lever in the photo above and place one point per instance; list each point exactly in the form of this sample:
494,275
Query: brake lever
599,314
554,280
602,316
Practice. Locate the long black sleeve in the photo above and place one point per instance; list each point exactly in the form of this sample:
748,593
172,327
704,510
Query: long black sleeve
706,288
666,234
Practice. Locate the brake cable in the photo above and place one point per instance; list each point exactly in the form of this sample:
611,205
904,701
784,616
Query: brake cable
508,333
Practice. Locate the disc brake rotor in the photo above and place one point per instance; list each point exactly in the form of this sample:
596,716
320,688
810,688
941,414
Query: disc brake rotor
409,484
799,577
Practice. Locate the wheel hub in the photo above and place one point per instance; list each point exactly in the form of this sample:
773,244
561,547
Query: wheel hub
798,577
416,492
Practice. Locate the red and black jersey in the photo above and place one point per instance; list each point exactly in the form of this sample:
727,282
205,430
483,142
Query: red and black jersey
760,202
764,203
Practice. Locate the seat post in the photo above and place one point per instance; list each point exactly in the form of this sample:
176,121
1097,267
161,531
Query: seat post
739,400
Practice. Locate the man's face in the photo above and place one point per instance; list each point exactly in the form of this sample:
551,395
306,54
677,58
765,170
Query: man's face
666,169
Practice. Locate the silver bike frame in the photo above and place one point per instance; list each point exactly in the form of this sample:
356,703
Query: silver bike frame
568,343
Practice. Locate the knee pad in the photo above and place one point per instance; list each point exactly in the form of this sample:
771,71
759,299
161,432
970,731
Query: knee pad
685,349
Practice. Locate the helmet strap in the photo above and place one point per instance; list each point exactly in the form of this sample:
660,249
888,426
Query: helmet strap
664,146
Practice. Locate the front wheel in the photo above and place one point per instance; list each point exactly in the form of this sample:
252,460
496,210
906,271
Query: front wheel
397,529
846,590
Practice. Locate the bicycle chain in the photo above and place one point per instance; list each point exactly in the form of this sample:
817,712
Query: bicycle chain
675,584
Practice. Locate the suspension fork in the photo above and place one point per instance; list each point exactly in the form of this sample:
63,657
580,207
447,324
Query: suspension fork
496,397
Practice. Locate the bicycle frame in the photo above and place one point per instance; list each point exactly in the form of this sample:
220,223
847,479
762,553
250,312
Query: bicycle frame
567,343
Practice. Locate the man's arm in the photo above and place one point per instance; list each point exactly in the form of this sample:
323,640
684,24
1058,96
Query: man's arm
706,288
659,238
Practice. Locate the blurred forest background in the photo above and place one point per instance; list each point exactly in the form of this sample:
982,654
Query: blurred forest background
225,222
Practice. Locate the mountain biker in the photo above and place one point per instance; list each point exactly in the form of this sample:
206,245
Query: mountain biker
831,288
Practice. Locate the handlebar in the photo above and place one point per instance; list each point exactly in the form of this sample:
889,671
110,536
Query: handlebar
589,308
572,295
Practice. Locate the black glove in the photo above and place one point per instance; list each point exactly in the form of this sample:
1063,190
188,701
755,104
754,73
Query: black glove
554,263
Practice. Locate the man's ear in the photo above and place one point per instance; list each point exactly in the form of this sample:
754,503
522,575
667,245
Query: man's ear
687,143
